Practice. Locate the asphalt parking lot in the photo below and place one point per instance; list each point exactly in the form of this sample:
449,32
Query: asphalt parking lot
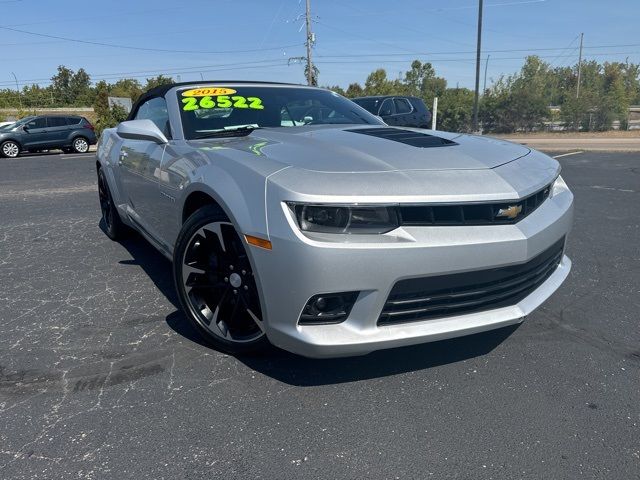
101,377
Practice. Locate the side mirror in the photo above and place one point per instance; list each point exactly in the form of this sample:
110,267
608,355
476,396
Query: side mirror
141,130
25,128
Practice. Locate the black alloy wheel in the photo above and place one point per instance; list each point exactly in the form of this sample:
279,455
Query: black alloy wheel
216,283
113,226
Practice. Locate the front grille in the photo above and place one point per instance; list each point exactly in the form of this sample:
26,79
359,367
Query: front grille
460,293
472,213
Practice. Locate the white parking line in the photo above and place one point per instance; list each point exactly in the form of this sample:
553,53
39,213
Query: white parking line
567,154
84,155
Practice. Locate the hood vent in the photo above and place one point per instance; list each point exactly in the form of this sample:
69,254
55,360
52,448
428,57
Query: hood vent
408,137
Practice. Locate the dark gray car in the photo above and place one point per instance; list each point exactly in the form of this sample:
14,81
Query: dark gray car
71,133
397,110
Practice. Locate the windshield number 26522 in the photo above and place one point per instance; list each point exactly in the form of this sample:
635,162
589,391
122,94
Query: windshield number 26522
222,101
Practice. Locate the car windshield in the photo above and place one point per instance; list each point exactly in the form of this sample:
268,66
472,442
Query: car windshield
22,121
223,108
369,104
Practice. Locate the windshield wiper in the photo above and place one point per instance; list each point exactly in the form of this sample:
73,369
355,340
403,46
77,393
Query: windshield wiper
240,131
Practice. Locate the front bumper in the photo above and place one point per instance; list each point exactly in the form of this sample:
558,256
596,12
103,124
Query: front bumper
299,267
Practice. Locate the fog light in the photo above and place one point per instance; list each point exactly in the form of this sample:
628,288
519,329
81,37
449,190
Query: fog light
328,308
320,303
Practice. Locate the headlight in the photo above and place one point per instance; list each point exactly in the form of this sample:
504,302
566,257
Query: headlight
345,219
558,186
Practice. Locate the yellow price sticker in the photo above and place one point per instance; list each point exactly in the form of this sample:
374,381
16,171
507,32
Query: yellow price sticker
208,92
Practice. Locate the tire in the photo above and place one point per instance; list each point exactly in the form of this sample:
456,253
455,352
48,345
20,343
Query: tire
80,145
113,225
216,285
10,149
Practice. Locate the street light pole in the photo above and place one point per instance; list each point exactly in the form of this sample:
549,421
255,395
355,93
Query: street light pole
17,90
477,90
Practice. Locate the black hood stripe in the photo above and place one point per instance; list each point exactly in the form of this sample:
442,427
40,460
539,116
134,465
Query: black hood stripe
408,137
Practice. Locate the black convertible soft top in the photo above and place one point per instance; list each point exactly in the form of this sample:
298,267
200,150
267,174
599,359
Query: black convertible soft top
161,90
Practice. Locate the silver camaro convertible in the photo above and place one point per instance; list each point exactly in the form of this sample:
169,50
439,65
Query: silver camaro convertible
293,216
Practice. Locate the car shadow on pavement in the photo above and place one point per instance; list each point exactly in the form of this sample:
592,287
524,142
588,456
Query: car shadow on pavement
154,264
158,268
300,371
304,372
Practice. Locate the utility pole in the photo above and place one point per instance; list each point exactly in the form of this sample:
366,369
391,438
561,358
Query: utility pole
486,67
477,91
17,90
579,67
309,44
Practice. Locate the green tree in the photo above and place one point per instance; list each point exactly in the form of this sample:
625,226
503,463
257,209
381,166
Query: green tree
337,89
126,87
71,88
354,90
61,85
455,110
157,81
377,83
518,102
104,114
80,88
421,81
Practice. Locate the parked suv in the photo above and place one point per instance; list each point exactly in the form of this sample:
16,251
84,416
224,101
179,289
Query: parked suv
70,133
398,111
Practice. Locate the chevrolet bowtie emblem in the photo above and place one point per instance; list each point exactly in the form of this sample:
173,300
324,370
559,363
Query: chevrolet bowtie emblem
510,212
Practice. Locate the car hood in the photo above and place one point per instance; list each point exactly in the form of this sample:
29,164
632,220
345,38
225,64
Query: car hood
343,149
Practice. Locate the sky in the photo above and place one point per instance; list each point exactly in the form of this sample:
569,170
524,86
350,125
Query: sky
259,39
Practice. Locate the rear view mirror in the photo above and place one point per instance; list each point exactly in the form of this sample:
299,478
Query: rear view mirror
141,130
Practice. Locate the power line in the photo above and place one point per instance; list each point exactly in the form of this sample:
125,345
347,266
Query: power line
150,73
397,47
143,73
93,18
398,21
470,59
511,50
258,64
561,54
145,49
